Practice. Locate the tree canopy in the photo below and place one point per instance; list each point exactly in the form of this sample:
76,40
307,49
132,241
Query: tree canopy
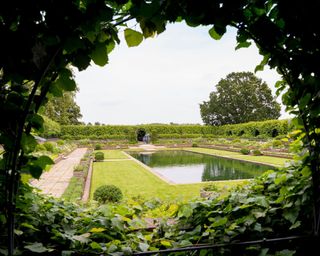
63,110
239,98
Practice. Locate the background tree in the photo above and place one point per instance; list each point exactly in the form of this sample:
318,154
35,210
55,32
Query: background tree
64,110
239,98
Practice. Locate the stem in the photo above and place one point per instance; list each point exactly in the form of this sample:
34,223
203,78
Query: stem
13,179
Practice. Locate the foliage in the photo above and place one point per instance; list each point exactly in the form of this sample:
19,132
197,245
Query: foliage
275,203
63,110
256,152
264,129
73,192
50,146
50,128
245,151
99,156
107,193
74,33
98,147
239,98
211,187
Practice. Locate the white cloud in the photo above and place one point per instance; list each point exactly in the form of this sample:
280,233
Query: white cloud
164,79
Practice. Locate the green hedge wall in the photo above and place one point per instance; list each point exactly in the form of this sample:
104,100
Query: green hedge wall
271,128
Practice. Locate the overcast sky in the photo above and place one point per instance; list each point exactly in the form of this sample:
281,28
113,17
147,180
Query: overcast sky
164,79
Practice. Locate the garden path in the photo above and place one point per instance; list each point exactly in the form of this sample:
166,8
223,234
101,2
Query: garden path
55,181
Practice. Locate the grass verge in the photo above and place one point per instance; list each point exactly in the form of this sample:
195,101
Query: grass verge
112,154
136,181
275,161
74,190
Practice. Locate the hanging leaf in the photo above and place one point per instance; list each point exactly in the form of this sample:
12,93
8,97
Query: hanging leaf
216,32
65,80
43,161
38,248
245,44
100,55
132,37
28,143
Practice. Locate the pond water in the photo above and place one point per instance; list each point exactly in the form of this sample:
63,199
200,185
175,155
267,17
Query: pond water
186,167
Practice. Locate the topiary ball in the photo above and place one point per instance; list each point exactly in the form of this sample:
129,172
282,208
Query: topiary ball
99,156
107,193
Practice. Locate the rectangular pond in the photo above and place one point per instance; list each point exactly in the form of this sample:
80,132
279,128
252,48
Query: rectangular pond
183,167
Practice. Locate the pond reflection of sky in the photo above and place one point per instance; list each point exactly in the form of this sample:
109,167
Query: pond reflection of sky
186,167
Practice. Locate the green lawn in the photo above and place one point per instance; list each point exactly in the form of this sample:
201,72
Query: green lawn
276,161
134,180
113,154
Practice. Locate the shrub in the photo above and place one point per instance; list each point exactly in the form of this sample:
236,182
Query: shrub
276,143
98,147
211,187
61,142
49,146
40,147
256,152
194,145
245,151
107,193
79,168
99,156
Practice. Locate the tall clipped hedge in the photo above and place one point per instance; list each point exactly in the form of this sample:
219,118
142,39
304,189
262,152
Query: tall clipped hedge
271,128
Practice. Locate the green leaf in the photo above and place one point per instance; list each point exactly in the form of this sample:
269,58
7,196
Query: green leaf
28,143
132,37
100,54
38,248
219,222
303,102
143,247
306,171
35,171
95,246
291,215
213,33
245,44
166,243
261,201
36,121
27,225
296,225
43,161
185,211
97,230
84,238
264,252
65,80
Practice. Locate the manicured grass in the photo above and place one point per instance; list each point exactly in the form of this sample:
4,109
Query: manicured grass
134,180
113,154
270,160
73,192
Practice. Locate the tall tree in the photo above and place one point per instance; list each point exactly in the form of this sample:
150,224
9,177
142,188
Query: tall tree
64,110
240,97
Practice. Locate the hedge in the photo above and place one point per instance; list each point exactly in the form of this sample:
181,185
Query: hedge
270,128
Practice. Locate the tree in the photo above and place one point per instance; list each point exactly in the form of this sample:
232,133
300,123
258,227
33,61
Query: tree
239,98
64,110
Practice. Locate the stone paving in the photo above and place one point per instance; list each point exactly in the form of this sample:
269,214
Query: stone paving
55,181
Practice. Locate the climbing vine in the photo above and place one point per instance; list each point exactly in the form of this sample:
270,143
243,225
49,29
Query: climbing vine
42,41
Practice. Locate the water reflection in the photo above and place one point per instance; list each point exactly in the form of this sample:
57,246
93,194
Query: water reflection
187,167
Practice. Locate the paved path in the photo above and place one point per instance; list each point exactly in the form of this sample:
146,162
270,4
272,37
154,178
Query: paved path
55,181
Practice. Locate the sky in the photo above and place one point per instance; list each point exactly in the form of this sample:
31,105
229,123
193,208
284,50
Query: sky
165,78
